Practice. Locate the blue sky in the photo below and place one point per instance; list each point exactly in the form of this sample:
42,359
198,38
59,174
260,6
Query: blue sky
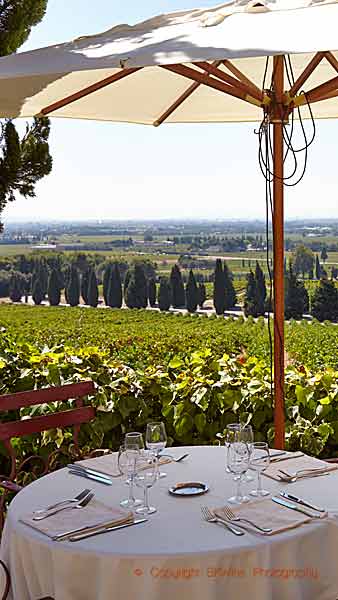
118,171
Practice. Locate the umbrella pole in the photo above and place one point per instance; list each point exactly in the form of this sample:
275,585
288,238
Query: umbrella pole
278,251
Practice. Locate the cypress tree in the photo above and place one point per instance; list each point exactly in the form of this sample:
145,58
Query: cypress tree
127,278
323,254
325,301
219,288
37,293
164,294
296,296
152,292
137,294
84,285
260,290
191,293
93,290
177,287
250,301
43,276
15,288
202,295
230,294
53,291
73,287
107,275
318,268
115,288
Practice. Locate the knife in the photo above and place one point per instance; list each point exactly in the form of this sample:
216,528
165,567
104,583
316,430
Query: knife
288,457
301,501
90,471
86,475
293,506
99,530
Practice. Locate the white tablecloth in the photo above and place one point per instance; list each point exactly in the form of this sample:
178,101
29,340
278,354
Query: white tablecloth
175,554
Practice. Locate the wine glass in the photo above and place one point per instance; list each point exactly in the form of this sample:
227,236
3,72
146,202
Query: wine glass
127,465
146,475
156,439
259,461
238,457
231,435
247,436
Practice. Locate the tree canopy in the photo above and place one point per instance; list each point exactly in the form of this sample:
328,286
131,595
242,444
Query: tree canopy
22,162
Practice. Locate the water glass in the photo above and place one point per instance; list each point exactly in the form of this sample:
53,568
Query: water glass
247,436
156,439
135,438
238,457
146,475
259,461
127,465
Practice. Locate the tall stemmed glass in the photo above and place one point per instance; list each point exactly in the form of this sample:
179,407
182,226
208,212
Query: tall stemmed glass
238,463
231,435
259,461
127,459
146,475
156,439
247,436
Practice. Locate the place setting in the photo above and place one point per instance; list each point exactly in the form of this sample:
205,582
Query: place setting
262,512
84,516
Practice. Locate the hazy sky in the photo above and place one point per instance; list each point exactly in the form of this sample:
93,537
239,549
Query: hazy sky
117,171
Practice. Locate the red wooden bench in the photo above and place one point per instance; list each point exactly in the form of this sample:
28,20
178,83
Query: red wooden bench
13,429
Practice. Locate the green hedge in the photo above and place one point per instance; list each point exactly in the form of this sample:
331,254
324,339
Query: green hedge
196,396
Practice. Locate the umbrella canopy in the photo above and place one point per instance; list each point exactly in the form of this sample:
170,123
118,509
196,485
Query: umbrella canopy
244,32
197,66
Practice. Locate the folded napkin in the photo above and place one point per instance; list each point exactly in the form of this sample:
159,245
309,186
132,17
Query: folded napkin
107,464
296,462
267,513
93,514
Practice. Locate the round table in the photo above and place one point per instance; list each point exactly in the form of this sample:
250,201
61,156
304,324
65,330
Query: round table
174,554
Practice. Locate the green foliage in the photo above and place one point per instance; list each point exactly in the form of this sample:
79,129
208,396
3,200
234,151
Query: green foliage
303,261
15,291
250,304
191,293
296,296
260,290
54,291
73,287
37,291
164,294
93,290
152,292
106,282
325,301
84,285
177,288
230,294
219,288
114,298
323,254
202,294
17,17
196,394
136,295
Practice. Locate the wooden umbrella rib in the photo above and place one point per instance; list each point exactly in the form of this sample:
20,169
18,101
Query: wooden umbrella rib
88,90
235,71
205,79
191,89
230,80
320,92
313,64
332,60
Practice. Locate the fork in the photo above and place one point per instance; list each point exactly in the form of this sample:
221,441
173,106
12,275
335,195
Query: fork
292,478
76,499
232,517
175,459
80,504
208,516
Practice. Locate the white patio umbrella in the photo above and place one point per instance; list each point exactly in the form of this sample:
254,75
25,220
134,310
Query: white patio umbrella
203,65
